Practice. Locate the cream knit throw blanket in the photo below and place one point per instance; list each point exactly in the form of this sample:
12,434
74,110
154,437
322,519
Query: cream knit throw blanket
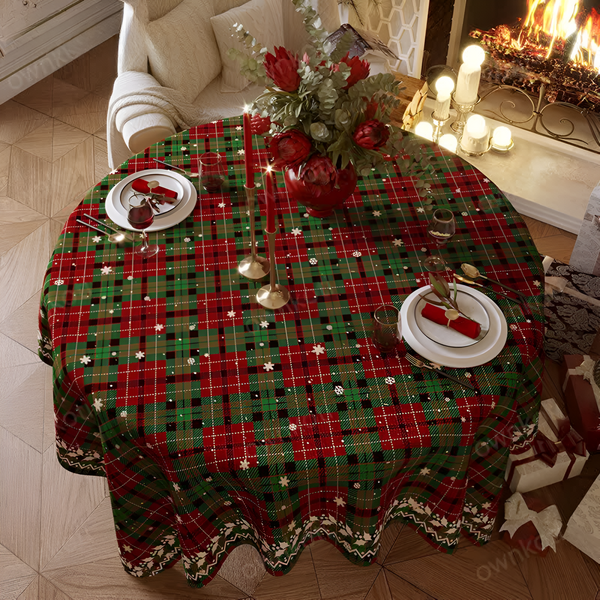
152,100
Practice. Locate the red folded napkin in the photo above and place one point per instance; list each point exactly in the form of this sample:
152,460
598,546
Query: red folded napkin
141,185
463,325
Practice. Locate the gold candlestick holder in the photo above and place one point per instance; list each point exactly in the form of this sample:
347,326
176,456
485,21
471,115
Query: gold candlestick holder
253,266
463,110
273,295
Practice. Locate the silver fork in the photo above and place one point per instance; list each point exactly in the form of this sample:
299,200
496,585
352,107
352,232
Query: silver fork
413,360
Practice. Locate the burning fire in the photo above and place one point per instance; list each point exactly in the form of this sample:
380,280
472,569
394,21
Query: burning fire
562,23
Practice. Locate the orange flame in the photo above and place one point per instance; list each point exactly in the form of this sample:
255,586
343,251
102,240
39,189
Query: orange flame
560,20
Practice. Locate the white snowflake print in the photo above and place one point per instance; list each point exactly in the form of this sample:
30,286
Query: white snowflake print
139,355
147,298
329,327
339,390
339,501
357,486
486,505
423,249
313,261
537,283
191,361
176,487
98,404
376,213
238,128
293,426
467,375
241,152
126,547
420,209
457,191
464,214
357,253
192,327
318,349
183,148
187,239
264,324
159,327
425,471
398,242
296,231
59,282
130,278
114,172
106,270
244,464
284,481
221,205
486,180
463,419
96,239
268,366
231,313
123,413
85,359
390,380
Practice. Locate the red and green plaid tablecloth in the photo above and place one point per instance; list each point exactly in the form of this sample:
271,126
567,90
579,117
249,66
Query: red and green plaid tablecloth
219,423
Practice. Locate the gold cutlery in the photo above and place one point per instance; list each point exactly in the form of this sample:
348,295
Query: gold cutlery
473,273
486,287
413,360
117,237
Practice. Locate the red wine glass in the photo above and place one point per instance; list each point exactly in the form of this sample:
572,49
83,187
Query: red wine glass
140,216
441,229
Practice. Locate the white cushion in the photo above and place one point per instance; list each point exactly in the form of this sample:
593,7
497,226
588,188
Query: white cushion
182,49
263,19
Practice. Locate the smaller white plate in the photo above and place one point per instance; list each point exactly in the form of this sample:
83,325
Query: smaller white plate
166,182
470,356
469,306
116,211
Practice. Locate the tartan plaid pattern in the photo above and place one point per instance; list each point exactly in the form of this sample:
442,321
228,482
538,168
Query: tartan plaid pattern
218,422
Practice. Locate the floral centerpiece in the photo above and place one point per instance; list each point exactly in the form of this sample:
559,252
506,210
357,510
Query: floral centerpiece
327,117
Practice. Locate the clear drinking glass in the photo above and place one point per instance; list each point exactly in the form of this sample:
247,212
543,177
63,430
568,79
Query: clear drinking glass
212,169
441,229
140,215
387,328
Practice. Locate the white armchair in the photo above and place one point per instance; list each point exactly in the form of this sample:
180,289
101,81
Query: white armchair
173,68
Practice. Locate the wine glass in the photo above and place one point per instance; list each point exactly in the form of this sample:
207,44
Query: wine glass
211,167
441,229
387,328
140,215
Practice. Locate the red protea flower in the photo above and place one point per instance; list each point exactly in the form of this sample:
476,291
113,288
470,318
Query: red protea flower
371,134
360,69
319,175
282,68
289,149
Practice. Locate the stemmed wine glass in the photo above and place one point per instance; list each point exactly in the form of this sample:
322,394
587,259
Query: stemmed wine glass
140,215
441,229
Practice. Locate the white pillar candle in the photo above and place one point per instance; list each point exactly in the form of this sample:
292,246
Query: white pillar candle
424,130
449,141
476,136
444,87
502,138
467,85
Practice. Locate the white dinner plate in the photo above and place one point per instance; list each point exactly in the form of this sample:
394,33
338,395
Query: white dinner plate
115,207
164,181
470,307
469,356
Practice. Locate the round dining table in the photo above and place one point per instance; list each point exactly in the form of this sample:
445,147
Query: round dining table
218,422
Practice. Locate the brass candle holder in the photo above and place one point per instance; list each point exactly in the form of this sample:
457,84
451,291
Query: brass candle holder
253,266
273,295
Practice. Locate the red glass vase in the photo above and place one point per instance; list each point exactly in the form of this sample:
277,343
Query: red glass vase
326,203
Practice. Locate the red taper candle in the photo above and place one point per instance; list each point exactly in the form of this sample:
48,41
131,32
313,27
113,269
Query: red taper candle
248,151
270,198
